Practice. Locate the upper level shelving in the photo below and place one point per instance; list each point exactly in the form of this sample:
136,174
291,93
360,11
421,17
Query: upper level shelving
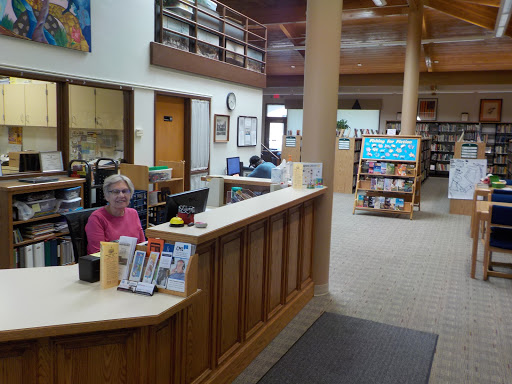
209,39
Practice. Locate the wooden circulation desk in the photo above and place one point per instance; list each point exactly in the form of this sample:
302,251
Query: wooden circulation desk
255,184
255,264
55,328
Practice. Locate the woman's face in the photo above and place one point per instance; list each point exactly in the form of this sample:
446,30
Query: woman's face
119,195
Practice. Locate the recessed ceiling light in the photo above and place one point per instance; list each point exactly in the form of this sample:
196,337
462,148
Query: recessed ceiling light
359,64
436,61
292,66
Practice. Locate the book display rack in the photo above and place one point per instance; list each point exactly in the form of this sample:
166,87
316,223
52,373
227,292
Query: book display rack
388,174
445,134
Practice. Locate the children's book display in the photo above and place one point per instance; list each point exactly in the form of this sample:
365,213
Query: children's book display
388,174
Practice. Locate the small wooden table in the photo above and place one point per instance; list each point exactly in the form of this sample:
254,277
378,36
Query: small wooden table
481,213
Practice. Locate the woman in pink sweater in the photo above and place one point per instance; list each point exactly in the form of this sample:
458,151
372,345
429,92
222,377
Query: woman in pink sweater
115,219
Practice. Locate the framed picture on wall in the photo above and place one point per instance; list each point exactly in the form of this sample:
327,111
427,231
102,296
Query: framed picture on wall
51,161
427,109
221,127
490,110
247,131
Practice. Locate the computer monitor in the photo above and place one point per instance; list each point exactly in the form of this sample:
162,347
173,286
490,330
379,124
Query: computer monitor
233,166
196,198
29,162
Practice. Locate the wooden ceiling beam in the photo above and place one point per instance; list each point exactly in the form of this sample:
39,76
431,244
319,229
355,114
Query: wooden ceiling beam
480,15
296,34
415,4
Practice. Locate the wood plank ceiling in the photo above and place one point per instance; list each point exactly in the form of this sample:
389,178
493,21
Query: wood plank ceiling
458,35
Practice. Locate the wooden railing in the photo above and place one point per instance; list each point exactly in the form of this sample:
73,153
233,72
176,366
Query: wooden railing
222,34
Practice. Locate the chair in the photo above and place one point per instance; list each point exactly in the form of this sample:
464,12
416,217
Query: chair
500,191
501,197
498,238
76,224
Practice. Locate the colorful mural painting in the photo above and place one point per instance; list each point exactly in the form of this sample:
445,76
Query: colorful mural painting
64,23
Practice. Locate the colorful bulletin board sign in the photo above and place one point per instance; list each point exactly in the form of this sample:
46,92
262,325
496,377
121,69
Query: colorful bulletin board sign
390,148
63,23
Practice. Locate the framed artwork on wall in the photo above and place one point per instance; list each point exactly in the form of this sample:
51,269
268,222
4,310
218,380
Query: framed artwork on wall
490,110
221,127
427,109
59,23
247,131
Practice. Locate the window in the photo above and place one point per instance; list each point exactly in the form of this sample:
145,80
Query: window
276,110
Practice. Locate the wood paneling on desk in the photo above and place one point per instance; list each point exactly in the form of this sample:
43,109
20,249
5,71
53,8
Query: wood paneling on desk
255,264
55,328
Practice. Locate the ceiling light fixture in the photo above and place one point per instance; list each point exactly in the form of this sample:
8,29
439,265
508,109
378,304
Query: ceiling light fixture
359,64
379,3
503,18
292,66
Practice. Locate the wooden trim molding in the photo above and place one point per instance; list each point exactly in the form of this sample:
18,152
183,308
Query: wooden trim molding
169,57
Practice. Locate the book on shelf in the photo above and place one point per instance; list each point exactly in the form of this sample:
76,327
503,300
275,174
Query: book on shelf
377,168
399,204
373,184
371,166
400,184
365,201
360,199
376,202
394,186
38,254
411,170
371,201
387,184
401,170
380,184
383,168
390,168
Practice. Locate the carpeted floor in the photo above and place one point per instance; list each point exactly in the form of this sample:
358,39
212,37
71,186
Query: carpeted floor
413,274
355,351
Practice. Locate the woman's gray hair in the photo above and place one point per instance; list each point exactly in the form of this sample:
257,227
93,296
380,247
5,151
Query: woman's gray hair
116,179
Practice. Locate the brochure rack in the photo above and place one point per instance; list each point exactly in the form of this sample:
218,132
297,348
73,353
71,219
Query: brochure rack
388,174
190,276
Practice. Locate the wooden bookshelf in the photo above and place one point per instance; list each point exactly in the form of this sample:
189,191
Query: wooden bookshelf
394,190
139,175
346,160
9,190
509,160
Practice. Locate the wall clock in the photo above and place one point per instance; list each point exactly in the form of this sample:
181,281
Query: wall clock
231,101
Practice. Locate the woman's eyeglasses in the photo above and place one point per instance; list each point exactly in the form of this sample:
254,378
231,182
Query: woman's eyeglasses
118,191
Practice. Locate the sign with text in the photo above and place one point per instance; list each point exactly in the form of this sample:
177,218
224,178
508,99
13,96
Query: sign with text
389,148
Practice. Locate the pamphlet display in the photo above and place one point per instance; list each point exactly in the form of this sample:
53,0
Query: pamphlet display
173,270
109,264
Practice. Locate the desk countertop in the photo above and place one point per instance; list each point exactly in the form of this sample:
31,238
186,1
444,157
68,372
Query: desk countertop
39,302
223,219
242,180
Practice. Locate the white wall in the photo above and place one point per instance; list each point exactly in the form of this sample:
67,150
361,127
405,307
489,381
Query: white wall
120,55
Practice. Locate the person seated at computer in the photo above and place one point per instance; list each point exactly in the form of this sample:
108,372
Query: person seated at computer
262,168
115,219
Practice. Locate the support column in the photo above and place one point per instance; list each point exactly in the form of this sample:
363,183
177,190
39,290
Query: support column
412,68
321,82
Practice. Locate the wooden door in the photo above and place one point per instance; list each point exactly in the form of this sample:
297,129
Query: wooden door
36,112
169,135
51,97
14,103
2,117
109,109
82,109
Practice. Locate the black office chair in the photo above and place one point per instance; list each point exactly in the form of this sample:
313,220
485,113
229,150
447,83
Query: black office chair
76,224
